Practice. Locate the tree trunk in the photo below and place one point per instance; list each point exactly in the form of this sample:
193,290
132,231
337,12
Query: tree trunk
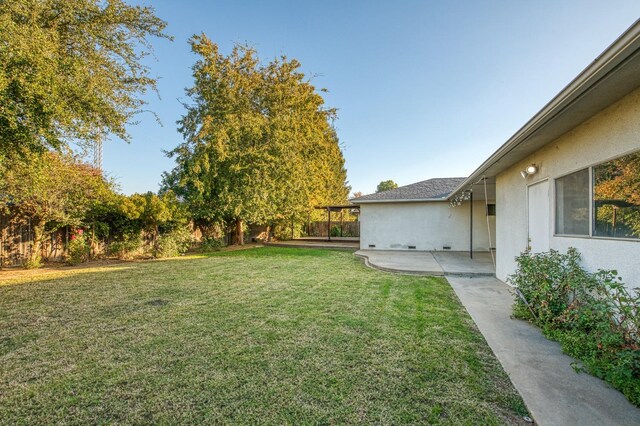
34,259
239,233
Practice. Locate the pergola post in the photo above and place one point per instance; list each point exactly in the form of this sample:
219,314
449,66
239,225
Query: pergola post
338,208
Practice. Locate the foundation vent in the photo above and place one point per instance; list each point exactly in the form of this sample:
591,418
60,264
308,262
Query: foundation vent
372,246
446,247
412,247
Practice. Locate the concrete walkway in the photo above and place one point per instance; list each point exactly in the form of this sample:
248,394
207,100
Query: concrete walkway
429,263
553,392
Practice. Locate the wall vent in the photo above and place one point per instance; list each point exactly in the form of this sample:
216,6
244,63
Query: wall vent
372,246
446,247
412,247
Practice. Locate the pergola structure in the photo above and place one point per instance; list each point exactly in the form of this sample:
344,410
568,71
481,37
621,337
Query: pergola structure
337,208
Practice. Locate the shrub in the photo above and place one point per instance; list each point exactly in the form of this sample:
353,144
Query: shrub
127,248
33,262
211,244
335,231
592,315
285,230
173,243
78,248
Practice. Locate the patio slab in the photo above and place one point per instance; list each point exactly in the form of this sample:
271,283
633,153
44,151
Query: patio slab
405,262
553,392
459,263
429,263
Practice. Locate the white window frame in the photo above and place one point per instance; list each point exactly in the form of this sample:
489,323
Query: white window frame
591,217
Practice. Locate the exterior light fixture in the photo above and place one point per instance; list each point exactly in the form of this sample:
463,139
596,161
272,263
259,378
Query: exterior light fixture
530,170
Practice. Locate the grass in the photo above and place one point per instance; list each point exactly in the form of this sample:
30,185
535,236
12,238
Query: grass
267,335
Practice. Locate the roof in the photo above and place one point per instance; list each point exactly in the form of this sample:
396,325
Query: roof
437,189
610,77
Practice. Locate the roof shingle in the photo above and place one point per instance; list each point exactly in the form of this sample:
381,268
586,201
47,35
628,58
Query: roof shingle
430,189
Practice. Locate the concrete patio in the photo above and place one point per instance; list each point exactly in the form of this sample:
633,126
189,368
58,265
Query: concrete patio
429,263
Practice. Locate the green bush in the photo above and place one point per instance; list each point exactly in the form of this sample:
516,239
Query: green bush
173,243
127,248
211,244
78,248
335,231
592,315
33,263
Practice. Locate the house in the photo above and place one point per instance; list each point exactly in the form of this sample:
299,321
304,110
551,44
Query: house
570,177
420,217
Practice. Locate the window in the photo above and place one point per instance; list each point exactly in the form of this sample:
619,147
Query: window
616,198
572,204
491,209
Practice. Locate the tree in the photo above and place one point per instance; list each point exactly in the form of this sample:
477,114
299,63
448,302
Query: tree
386,185
154,211
71,70
50,191
357,194
259,146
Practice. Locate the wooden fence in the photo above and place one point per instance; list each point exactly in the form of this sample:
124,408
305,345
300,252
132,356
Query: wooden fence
16,242
16,239
340,229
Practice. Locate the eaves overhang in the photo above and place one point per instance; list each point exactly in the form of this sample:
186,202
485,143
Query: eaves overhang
611,76
423,200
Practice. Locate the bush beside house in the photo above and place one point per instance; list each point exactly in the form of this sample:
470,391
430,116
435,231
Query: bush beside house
592,315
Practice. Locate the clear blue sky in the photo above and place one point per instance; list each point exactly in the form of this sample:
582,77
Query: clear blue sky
424,88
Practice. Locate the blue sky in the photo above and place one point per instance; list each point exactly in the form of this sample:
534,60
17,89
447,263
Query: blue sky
424,89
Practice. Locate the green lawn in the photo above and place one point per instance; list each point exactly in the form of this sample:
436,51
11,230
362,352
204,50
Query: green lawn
265,335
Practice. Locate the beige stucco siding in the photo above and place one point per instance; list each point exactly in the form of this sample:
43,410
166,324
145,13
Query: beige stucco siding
425,225
611,133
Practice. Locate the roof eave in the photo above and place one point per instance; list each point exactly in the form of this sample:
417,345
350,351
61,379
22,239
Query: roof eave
417,200
604,66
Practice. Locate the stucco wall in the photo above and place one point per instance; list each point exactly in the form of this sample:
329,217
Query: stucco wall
428,226
611,133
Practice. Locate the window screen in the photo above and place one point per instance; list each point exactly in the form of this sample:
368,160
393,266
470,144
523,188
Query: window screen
616,198
572,204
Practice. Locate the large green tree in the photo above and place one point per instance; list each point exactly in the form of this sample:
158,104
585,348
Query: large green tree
71,70
259,145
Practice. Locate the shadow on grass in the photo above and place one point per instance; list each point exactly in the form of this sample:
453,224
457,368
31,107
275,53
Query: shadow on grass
98,269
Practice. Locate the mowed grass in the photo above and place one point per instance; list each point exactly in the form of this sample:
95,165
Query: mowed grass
266,335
